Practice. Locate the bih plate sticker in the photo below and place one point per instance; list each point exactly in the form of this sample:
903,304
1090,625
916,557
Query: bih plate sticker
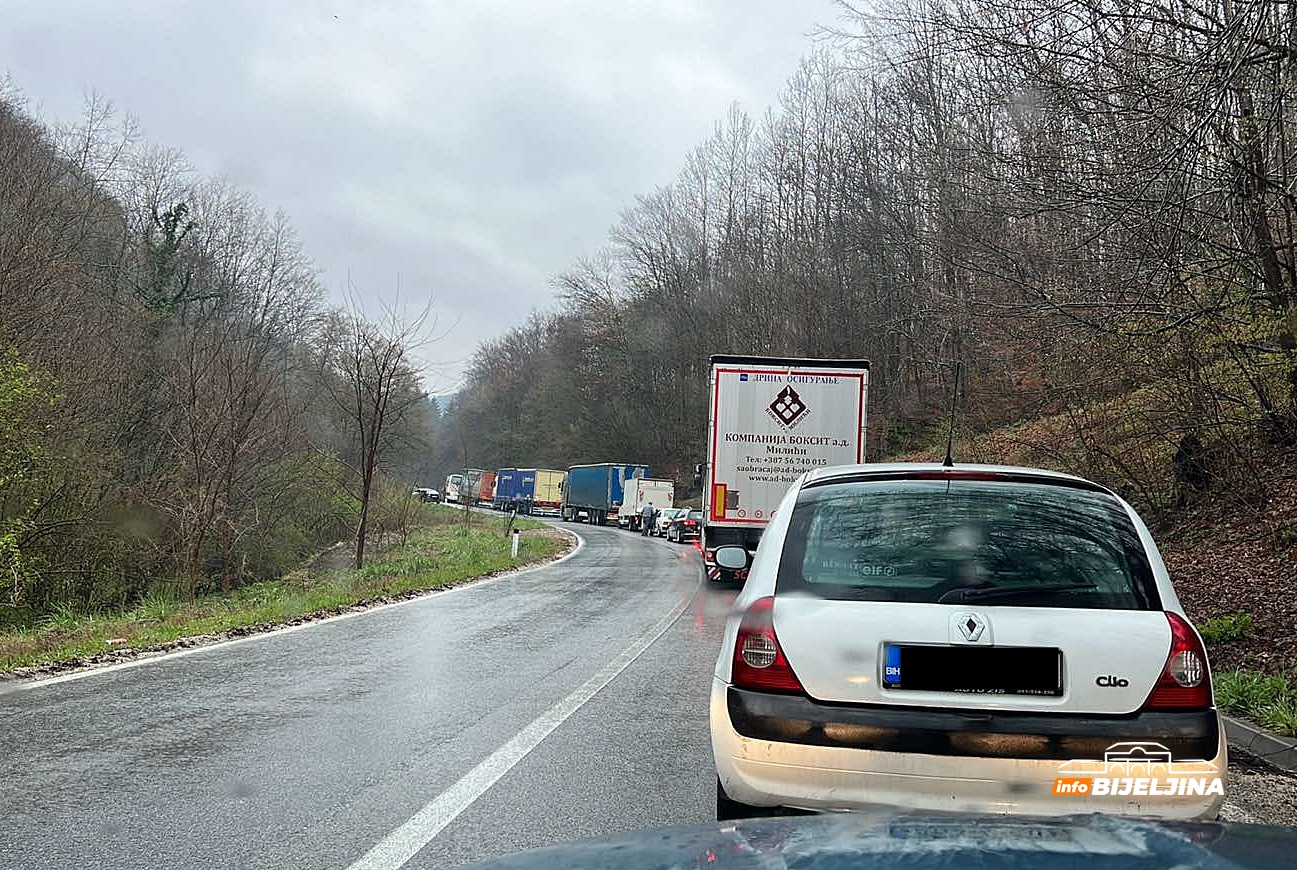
891,666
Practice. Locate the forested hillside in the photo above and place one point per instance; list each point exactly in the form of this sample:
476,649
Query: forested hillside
1089,204
179,409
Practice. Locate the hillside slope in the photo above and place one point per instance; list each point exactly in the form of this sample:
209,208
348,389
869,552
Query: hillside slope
1230,549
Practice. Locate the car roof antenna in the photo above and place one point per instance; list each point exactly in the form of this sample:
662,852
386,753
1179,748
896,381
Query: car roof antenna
949,461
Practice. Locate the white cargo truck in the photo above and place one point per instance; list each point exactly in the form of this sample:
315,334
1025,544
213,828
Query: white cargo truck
773,419
641,491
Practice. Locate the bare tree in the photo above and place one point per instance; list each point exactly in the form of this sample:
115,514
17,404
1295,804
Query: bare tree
371,379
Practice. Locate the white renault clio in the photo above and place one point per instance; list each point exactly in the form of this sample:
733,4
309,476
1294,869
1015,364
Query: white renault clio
976,638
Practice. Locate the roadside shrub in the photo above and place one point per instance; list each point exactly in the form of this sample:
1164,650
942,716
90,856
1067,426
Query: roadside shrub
394,511
301,510
63,617
1226,628
157,606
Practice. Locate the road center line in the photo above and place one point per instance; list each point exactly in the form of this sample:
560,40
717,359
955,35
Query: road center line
404,843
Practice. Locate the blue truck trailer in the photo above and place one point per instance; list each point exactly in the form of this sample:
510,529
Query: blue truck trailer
594,493
515,489
506,485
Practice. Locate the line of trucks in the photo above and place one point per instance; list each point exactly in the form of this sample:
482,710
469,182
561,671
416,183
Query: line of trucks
600,493
771,419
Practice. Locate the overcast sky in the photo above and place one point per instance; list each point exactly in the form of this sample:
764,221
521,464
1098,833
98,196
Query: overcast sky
471,149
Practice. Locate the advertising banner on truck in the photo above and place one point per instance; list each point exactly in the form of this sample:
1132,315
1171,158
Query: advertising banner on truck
772,421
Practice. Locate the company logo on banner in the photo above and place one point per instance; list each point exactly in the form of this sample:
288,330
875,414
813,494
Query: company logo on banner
788,408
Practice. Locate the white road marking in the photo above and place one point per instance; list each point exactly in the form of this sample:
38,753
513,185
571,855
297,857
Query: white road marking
404,843
19,686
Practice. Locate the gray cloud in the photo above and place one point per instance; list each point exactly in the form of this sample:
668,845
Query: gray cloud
474,148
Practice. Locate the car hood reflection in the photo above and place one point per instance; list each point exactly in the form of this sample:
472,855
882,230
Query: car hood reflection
885,839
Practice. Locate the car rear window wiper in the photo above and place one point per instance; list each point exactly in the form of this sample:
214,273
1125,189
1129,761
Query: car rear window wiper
981,593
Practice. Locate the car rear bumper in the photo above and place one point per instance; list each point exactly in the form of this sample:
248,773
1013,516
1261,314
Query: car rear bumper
831,769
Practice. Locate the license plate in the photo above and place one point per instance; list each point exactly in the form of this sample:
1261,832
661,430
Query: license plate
1000,670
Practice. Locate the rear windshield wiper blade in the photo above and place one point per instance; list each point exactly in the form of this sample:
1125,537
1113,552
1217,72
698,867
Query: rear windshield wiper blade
980,593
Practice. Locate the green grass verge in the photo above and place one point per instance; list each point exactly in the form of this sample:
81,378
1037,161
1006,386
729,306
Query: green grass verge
443,554
1269,701
441,514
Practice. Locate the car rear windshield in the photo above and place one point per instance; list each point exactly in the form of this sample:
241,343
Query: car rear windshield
955,541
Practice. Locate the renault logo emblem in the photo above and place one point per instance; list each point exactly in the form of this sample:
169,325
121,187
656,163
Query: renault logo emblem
971,627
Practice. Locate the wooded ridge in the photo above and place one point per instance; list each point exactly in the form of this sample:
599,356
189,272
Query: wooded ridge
180,411
1090,205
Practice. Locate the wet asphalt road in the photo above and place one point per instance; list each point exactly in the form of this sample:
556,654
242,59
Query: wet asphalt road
306,749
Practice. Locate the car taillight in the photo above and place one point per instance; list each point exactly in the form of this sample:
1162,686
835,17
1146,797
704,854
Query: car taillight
690,523
759,662
1184,683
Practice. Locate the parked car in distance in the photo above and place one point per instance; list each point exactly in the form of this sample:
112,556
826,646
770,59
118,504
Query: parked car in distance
961,639
687,526
664,519
426,494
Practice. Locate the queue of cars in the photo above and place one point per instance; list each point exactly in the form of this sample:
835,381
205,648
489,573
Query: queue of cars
685,526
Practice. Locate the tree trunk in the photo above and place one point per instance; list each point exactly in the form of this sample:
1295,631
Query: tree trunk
362,527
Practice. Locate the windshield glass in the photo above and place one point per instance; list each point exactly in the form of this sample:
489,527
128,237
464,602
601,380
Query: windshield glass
521,326
940,541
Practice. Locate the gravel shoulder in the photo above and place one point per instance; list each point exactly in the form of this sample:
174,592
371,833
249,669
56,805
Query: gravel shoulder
1259,793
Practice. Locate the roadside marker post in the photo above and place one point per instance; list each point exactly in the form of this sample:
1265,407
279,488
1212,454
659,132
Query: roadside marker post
514,548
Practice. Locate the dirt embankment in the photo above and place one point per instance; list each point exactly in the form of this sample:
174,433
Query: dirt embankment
1228,554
